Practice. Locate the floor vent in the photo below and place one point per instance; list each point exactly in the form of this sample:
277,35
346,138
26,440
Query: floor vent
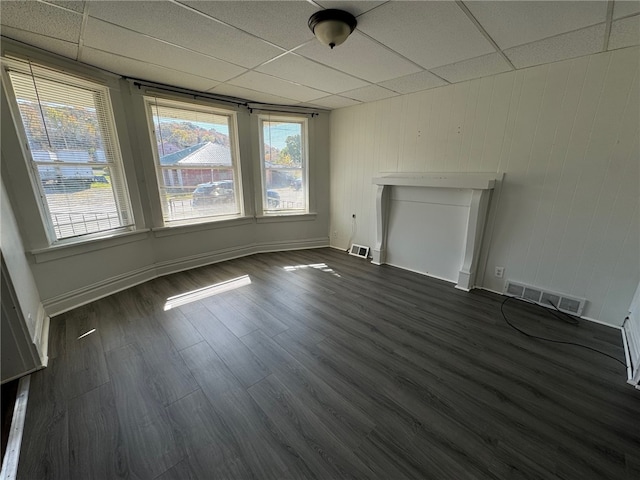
359,251
567,304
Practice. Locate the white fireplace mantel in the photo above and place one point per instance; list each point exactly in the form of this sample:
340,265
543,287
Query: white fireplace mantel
480,184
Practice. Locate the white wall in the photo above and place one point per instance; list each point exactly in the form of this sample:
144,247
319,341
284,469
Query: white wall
23,283
566,136
66,277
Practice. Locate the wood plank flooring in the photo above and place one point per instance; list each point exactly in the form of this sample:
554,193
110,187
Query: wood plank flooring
325,366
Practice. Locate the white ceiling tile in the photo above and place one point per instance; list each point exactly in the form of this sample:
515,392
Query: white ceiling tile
474,68
300,70
517,23
335,101
354,8
360,57
180,26
104,36
42,19
625,8
76,6
136,69
625,33
574,44
275,86
369,94
413,83
429,33
281,22
66,49
251,95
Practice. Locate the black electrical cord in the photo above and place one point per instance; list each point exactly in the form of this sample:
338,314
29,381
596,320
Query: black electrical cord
550,339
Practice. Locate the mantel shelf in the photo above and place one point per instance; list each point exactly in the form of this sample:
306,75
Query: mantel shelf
473,181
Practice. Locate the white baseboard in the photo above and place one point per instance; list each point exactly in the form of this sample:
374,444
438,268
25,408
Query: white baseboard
421,273
90,293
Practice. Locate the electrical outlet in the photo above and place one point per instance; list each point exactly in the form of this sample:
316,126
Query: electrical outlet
335,234
499,272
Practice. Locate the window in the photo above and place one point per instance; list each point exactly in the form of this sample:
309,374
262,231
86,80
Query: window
196,161
75,156
284,164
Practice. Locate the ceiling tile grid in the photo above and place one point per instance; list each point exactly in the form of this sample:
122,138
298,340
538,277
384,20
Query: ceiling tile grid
265,52
181,26
335,101
110,38
561,47
298,69
429,33
486,65
61,47
361,57
42,19
247,93
369,94
259,18
625,8
133,68
517,23
414,82
625,33
276,86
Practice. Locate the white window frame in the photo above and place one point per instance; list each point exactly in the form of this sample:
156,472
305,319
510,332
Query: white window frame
304,121
64,77
151,100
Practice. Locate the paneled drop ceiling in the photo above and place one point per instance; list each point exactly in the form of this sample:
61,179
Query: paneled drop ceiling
263,51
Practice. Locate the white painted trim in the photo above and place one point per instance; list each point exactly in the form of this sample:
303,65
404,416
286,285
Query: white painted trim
186,228
480,185
89,293
43,345
286,217
62,250
472,181
12,455
475,230
627,357
421,273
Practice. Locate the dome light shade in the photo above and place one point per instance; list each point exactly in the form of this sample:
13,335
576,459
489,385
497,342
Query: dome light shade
332,27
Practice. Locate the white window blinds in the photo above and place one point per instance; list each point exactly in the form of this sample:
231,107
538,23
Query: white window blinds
75,156
196,161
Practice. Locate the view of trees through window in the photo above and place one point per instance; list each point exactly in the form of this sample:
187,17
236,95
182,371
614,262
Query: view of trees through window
284,165
66,130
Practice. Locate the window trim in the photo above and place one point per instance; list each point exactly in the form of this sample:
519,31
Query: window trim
151,98
61,75
304,121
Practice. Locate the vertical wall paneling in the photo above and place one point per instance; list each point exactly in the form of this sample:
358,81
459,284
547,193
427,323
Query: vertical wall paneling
565,216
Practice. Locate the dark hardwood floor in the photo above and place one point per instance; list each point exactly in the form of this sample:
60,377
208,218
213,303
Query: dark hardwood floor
325,366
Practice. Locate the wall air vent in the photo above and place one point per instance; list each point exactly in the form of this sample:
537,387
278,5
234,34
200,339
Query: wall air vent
359,251
565,303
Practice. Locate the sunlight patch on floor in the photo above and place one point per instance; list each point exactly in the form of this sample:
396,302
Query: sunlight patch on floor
205,292
318,266
86,334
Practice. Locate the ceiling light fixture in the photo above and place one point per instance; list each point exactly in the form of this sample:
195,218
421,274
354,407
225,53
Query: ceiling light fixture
332,27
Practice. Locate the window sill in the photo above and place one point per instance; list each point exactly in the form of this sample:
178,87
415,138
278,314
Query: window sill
286,217
76,247
183,228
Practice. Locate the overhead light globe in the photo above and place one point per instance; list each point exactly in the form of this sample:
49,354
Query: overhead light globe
332,27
